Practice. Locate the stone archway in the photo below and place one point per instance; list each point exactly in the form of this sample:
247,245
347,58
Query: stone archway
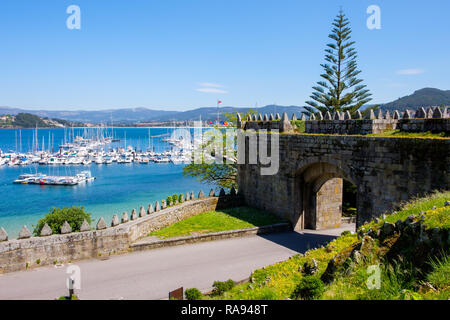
319,186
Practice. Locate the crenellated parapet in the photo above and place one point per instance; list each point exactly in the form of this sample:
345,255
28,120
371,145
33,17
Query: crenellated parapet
435,119
103,239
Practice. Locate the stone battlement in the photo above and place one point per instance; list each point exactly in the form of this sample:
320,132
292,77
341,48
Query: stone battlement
431,119
28,252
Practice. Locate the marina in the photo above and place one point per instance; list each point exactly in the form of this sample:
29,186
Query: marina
119,186
88,148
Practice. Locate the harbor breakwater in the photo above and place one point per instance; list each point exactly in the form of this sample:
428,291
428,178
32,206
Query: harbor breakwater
21,254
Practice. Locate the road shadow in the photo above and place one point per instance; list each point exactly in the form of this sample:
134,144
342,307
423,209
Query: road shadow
297,241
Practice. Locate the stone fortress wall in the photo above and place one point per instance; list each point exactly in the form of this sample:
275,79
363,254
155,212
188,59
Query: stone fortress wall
27,251
434,119
386,171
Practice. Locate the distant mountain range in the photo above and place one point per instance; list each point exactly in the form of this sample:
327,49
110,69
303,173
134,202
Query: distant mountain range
426,97
420,98
132,115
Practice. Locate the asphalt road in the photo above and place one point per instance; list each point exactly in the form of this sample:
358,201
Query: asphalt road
152,274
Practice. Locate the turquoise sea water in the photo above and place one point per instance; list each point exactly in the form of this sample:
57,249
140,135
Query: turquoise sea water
117,188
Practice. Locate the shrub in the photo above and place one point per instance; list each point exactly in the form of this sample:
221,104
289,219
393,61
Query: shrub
309,288
57,216
174,198
193,294
169,200
179,198
222,286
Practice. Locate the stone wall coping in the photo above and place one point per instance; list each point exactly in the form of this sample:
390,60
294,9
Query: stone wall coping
221,234
120,229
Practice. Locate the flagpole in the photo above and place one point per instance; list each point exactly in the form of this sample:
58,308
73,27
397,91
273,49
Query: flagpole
218,113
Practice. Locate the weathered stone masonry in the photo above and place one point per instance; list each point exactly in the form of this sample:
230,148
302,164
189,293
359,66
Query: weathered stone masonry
386,171
20,254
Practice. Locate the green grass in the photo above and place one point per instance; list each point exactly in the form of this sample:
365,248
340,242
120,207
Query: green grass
400,279
398,133
439,218
215,221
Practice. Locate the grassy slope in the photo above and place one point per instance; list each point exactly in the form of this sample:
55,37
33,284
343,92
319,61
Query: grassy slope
399,279
215,221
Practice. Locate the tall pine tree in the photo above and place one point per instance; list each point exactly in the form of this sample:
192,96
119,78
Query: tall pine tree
339,89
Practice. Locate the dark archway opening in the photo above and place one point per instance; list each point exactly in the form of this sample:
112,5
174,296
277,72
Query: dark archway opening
349,193
328,197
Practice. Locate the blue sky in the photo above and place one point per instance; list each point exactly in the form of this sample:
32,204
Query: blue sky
182,54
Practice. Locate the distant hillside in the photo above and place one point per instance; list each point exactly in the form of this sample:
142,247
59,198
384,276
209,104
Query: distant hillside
421,98
27,120
132,115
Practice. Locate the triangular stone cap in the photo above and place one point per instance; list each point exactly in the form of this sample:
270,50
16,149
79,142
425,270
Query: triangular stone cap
150,209
141,212
85,226
212,193
133,214
66,228
101,224
3,235
115,221
46,231
359,114
124,217
24,233
201,194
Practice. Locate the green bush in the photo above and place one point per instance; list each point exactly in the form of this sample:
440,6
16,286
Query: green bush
169,200
174,198
179,198
309,288
193,294
222,286
57,216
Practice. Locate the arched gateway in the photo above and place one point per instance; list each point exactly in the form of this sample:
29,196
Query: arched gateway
307,188
320,190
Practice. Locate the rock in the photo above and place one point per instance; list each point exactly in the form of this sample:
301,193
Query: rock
387,230
328,275
201,194
115,221
446,203
101,224
150,209
309,268
434,208
356,256
66,228
141,212
192,197
399,224
187,196
436,236
124,217
212,193
85,226
157,207
367,246
409,220
24,233
46,231
3,235
133,214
